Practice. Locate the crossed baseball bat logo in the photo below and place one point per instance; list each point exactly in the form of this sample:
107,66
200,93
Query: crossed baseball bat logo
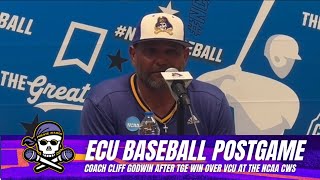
66,155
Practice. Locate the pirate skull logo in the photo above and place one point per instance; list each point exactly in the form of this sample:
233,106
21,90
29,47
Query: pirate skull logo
49,145
163,25
46,147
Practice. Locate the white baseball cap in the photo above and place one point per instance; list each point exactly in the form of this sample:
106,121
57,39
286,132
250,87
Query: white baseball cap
160,26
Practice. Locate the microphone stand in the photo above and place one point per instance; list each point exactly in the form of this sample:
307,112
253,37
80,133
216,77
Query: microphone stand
178,88
180,122
186,102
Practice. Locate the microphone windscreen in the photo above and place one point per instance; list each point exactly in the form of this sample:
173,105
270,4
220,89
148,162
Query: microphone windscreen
172,70
30,154
67,155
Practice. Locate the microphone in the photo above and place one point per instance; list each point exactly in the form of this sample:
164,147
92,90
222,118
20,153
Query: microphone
31,155
65,156
178,82
178,87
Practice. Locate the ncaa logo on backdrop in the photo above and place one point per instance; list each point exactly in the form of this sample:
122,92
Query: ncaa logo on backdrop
46,148
76,61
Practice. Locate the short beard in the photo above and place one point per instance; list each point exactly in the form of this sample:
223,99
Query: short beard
158,84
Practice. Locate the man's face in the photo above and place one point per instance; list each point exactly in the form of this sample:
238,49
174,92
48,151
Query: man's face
150,58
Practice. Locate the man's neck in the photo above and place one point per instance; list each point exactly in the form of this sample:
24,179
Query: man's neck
160,100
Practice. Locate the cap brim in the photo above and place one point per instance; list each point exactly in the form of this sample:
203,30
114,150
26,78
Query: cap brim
183,43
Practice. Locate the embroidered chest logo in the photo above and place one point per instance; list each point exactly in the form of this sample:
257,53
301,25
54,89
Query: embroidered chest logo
163,25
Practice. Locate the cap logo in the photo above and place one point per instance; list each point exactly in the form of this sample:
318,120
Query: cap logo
163,25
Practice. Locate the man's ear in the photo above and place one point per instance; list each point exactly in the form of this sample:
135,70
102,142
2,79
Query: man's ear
132,52
186,55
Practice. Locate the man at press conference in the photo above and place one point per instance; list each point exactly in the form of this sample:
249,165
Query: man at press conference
158,45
